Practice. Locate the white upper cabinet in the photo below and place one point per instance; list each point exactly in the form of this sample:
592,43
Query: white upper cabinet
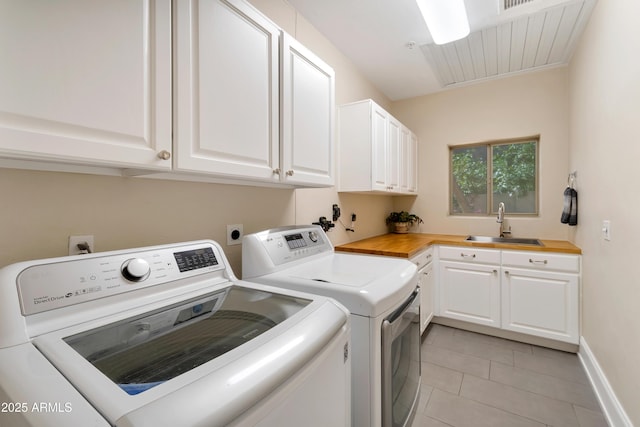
308,87
86,82
408,161
226,90
393,155
248,106
377,153
359,120
210,89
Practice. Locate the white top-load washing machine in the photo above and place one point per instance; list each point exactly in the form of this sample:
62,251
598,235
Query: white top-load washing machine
382,295
166,336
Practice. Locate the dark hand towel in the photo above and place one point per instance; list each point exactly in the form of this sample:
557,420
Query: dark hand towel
566,212
573,218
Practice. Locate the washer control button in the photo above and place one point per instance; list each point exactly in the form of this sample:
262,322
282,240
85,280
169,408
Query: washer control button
136,269
313,236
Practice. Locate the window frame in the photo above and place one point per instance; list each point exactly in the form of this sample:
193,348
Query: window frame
489,148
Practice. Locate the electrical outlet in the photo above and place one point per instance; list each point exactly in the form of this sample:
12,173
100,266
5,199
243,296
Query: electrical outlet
234,234
75,240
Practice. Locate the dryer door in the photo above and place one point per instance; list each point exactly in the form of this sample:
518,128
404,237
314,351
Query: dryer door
401,370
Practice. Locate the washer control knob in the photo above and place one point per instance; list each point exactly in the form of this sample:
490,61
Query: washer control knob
313,236
135,269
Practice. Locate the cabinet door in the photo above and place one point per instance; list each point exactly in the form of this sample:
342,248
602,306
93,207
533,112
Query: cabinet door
379,148
470,292
86,81
408,161
307,116
393,155
427,286
412,164
541,303
226,90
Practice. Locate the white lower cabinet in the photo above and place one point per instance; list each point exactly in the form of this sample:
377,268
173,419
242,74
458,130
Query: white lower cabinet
428,284
540,300
470,292
469,287
533,293
426,281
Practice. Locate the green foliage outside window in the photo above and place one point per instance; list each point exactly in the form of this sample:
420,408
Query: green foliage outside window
512,168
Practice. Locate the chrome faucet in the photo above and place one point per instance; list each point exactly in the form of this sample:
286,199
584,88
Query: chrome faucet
500,220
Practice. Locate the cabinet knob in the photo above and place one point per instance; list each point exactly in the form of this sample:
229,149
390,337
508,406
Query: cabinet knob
276,171
164,155
290,172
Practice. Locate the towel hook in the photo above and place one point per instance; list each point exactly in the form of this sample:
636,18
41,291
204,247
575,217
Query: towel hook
571,179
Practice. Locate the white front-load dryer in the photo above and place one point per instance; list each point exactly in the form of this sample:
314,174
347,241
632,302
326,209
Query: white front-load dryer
382,295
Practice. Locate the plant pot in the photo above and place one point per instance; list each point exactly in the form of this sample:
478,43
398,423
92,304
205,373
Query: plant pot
401,227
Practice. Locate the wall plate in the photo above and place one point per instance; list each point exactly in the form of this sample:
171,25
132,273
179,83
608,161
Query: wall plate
73,244
234,234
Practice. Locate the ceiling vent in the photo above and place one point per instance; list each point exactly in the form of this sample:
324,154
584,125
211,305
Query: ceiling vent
508,4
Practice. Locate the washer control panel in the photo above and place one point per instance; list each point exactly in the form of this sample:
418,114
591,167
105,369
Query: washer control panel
61,282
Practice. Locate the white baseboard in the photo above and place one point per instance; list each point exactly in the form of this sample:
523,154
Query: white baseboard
611,407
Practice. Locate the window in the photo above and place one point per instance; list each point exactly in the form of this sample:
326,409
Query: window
483,175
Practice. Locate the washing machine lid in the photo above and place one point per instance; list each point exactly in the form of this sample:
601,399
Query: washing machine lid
144,351
366,285
206,358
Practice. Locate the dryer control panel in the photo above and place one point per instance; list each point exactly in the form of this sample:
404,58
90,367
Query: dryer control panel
286,244
66,281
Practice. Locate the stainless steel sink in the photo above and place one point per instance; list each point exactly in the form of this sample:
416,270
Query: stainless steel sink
507,240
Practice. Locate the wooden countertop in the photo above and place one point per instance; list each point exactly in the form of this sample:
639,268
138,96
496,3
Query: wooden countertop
408,245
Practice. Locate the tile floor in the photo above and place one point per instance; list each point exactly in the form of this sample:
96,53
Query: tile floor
475,380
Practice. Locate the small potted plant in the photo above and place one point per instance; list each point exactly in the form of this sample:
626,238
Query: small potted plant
402,221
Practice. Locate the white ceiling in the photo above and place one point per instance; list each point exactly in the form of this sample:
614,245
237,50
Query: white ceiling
390,43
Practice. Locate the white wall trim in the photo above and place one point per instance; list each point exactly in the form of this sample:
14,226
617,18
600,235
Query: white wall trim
611,407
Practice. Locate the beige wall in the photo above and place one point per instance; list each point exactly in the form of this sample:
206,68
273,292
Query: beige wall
605,112
518,106
41,209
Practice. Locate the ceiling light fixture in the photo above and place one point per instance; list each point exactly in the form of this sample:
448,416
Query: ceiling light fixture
446,19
